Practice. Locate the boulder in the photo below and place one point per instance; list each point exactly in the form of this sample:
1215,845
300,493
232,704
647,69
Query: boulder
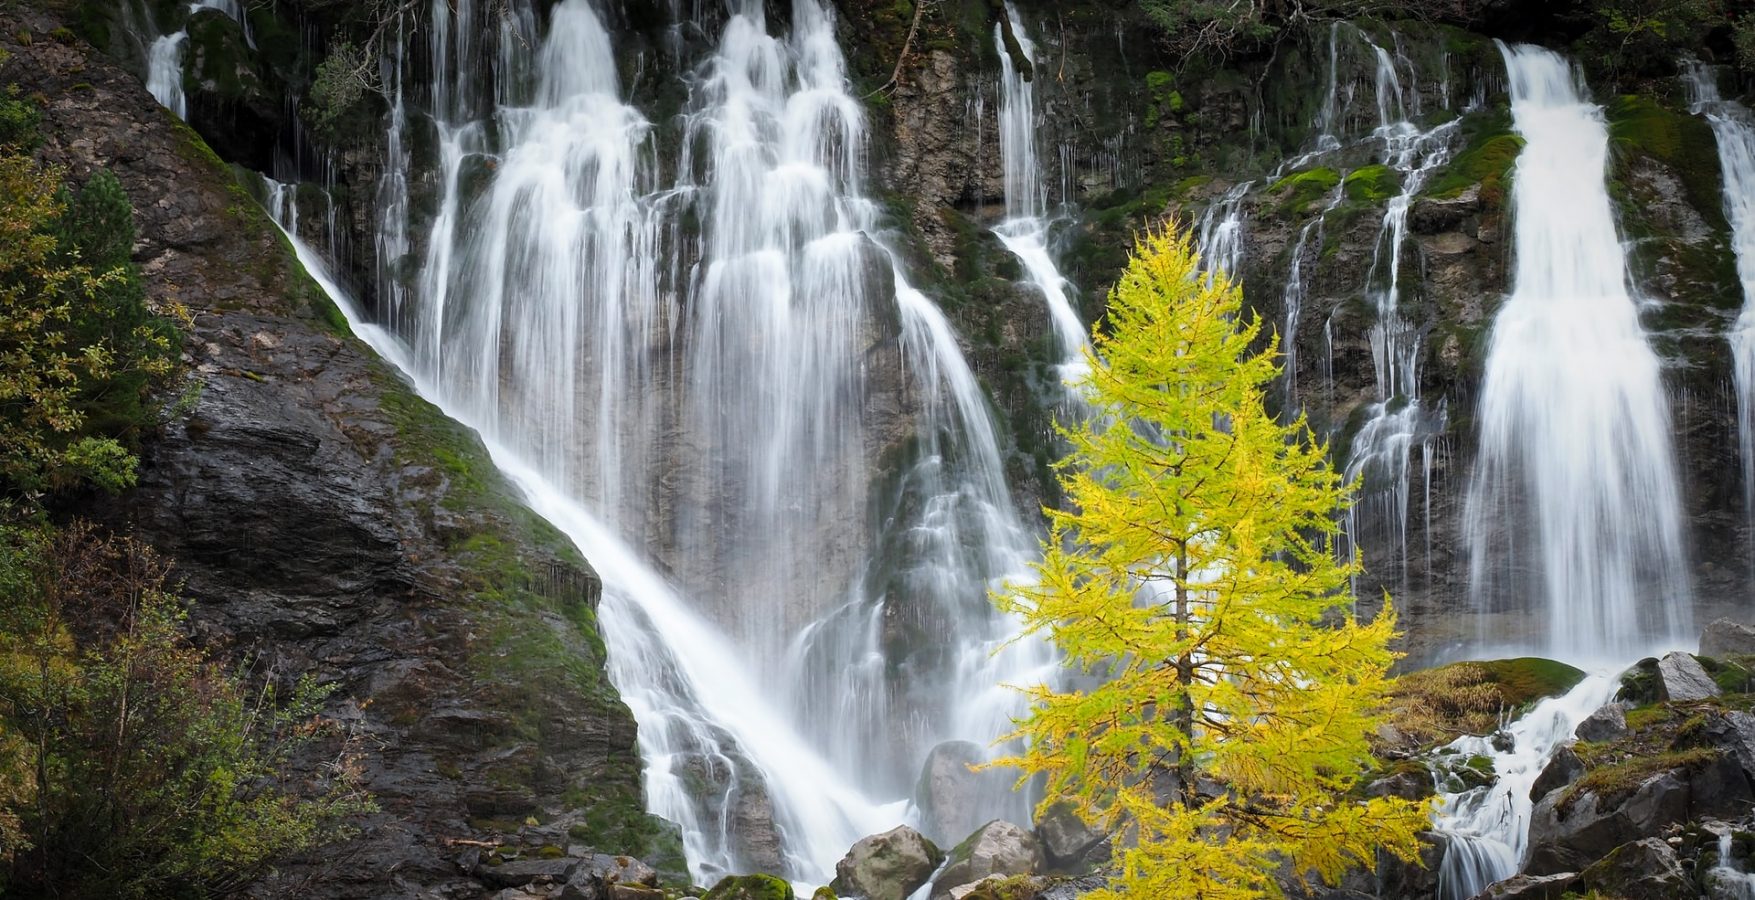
1606,724
1734,734
1725,637
1065,838
1587,829
601,876
1645,869
1563,768
1681,679
751,887
1530,887
951,795
1396,879
997,848
888,866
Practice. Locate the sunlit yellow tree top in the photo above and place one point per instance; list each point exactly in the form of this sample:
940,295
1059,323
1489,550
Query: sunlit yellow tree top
1194,571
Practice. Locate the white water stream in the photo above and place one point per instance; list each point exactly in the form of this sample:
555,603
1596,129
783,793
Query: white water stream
1733,126
1487,828
1025,231
1574,499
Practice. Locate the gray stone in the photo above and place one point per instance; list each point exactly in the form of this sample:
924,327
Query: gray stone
1065,838
1681,679
1725,637
1734,734
952,796
997,848
1563,768
1645,869
1530,887
888,866
520,872
1606,724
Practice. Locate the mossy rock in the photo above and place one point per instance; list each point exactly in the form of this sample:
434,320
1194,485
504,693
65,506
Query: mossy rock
1490,149
751,887
1371,184
1639,685
1297,191
824,893
1434,706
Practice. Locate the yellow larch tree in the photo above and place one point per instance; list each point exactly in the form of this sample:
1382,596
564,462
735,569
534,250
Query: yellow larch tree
1193,572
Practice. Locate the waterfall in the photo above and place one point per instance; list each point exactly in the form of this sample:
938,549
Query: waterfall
713,373
1219,235
1398,423
1574,501
1025,230
164,72
1487,828
1734,129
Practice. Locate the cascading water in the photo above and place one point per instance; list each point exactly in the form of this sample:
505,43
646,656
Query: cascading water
1398,422
724,417
1486,829
1219,234
1575,487
1734,129
164,72
1025,229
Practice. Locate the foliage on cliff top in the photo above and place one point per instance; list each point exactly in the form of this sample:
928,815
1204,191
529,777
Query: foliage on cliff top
1194,569
80,351
131,764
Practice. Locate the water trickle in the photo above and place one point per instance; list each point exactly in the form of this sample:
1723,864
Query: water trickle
1487,828
1734,128
1025,229
164,72
720,372
1574,502
1219,235
1398,423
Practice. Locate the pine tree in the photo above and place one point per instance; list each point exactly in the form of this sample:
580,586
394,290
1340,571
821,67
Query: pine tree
1193,573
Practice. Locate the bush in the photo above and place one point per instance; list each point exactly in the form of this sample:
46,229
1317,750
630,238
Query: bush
80,351
131,765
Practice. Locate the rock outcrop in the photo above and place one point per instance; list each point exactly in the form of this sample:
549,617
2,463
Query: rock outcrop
1726,637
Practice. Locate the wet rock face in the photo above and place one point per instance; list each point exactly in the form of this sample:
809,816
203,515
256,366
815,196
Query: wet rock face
319,535
1646,869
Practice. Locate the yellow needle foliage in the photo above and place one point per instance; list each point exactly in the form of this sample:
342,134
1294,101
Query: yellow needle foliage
1194,573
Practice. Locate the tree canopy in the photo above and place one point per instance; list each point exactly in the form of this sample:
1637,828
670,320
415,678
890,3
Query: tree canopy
1193,571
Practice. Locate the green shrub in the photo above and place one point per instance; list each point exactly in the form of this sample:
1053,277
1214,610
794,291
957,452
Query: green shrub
81,353
131,765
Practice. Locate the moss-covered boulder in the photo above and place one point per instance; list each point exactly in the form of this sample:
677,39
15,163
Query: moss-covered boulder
1435,706
751,887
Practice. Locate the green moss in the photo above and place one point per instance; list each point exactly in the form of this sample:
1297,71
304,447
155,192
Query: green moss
1639,125
750,887
1017,887
1524,680
1299,190
1371,184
